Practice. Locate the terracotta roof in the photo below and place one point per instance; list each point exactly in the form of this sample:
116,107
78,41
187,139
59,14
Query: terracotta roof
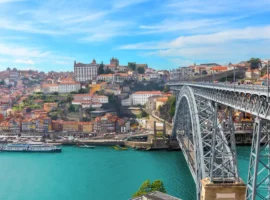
105,75
148,92
265,76
163,99
219,68
253,70
48,85
122,74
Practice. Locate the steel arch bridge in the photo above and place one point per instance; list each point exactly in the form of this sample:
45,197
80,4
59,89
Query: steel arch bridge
206,134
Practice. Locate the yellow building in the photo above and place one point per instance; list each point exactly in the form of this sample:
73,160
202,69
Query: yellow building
161,101
70,126
86,127
49,106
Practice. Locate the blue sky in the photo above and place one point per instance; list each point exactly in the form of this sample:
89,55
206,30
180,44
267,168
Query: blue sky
51,34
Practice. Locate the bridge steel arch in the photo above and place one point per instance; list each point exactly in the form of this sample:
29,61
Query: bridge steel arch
252,99
208,148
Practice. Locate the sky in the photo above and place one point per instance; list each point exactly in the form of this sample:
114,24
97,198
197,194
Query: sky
51,34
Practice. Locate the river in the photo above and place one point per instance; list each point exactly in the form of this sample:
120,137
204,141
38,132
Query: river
96,174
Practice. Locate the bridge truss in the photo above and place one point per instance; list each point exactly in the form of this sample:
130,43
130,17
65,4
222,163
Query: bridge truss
208,148
206,135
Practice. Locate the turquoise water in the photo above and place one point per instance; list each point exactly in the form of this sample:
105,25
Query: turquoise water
95,174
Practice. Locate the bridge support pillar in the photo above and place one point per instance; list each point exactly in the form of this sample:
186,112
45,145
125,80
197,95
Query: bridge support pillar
228,191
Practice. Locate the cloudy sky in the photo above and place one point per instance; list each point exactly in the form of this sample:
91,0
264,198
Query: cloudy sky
51,34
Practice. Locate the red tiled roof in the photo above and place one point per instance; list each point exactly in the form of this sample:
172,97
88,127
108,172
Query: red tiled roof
148,92
219,68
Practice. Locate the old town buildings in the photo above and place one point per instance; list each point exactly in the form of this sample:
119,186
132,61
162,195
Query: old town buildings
85,72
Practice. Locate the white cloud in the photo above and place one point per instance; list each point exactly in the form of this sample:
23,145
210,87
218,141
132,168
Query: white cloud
223,47
28,27
213,7
118,4
19,51
250,33
21,61
9,1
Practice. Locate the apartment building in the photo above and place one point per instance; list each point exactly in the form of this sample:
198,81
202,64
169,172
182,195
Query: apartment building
181,73
85,72
141,97
67,85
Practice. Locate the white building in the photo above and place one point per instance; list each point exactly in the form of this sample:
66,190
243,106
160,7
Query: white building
14,75
181,73
141,97
85,72
100,98
105,77
117,78
69,87
153,75
120,77
50,88
126,102
90,100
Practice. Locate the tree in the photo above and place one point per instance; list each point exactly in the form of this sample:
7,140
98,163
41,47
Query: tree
255,63
101,68
86,119
108,71
204,72
71,108
158,185
144,114
140,70
147,187
54,117
132,66
83,91
172,101
166,89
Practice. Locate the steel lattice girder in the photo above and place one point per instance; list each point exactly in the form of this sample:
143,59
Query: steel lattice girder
194,118
258,184
252,103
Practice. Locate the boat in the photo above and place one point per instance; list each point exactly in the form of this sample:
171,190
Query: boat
85,146
42,148
117,147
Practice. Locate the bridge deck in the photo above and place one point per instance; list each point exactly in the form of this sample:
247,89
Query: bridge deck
234,87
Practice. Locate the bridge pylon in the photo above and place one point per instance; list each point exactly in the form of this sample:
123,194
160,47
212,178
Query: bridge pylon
258,183
207,145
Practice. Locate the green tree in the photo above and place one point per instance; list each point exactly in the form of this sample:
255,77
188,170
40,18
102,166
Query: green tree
158,185
132,66
147,187
255,63
108,71
144,114
172,102
101,68
204,72
140,70
71,108
166,89
86,119
83,91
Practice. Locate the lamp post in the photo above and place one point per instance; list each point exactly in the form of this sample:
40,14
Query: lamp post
267,67
234,77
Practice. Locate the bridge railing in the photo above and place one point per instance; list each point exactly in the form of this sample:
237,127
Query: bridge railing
231,86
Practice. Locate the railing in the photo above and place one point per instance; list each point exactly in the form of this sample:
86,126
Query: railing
231,86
